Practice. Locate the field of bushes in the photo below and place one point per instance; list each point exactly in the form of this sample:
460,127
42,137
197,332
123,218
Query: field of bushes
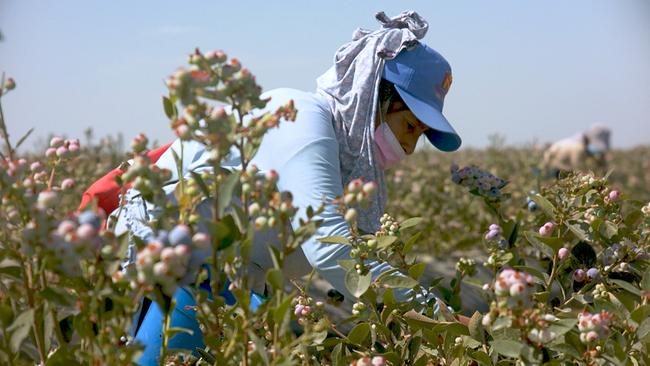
564,262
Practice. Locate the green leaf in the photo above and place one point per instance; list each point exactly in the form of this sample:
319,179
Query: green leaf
562,326
282,310
410,222
170,109
336,239
507,348
579,232
475,327
13,272
275,278
226,190
645,282
539,245
56,296
20,328
360,334
627,287
398,280
61,356
409,243
416,270
347,264
481,357
22,139
544,204
357,284
384,242
199,180
640,313
643,329
608,229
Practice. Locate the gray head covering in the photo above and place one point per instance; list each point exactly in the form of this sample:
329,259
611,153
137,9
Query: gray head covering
351,87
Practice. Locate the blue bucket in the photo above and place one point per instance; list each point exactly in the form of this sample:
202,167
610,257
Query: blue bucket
149,333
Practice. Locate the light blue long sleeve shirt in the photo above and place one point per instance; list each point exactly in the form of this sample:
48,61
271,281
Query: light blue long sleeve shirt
305,153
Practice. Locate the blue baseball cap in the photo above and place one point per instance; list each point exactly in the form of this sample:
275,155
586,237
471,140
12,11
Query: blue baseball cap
422,78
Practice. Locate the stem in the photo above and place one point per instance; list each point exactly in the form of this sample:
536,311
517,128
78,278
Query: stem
165,334
31,301
3,126
50,182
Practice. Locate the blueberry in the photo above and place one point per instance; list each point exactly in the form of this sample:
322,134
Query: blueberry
532,206
180,234
592,273
89,217
163,237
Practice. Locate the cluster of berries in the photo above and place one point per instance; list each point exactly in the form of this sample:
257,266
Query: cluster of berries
541,335
388,226
591,181
466,266
61,149
269,207
307,310
494,231
514,287
358,308
594,328
170,260
547,229
146,177
495,235
357,193
580,275
478,181
74,239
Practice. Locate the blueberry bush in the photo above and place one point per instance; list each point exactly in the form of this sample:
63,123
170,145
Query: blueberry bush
568,258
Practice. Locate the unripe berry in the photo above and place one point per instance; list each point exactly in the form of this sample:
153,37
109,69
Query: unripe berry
56,142
67,184
562,253
351,215
370,188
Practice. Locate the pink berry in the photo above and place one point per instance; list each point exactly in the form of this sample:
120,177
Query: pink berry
62,151
613,195
378,361
579,275
56,142
562,253
298,309
50,152
67,184
86,232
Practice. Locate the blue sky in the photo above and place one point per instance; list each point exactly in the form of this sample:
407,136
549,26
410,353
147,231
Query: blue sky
531,71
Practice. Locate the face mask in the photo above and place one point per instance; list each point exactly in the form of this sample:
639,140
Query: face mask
390,151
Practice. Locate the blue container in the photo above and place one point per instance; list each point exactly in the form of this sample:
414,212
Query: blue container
149,333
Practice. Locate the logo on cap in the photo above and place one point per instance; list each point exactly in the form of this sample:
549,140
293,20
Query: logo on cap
446,82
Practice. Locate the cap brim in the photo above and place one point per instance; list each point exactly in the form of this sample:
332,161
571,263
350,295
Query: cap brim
441,134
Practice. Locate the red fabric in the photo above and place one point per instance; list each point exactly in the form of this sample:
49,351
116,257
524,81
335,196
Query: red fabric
106,191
